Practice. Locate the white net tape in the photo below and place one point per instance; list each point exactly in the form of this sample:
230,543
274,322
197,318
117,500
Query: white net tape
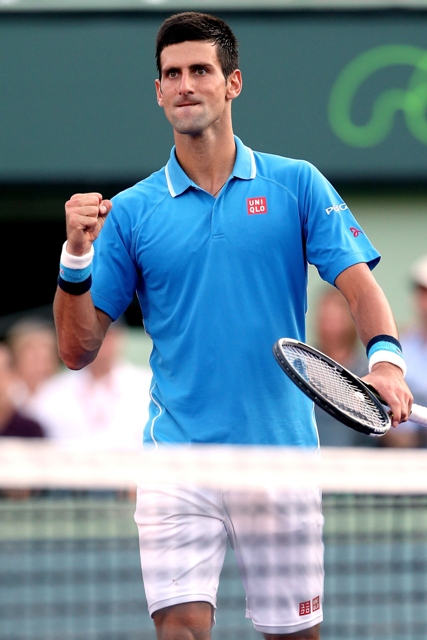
44,464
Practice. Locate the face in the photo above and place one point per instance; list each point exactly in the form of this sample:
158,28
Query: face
192,89
36,357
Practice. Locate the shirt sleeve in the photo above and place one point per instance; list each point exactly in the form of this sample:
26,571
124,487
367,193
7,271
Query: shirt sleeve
334,239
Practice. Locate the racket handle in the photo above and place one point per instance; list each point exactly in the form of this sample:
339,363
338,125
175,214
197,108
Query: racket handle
419,414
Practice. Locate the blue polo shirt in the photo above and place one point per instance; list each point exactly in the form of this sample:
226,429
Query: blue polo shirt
219,280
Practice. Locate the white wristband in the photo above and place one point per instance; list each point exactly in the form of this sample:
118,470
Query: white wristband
387,356
76,262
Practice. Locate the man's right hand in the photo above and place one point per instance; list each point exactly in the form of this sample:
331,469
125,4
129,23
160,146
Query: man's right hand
85,214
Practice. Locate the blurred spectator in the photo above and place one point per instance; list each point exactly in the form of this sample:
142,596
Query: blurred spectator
336,336
104,405
414,345
13,423
32,342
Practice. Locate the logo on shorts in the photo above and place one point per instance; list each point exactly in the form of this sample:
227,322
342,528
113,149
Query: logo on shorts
256,205
309,606
305,608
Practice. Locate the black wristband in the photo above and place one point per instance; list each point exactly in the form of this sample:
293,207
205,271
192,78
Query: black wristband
382,338
75,288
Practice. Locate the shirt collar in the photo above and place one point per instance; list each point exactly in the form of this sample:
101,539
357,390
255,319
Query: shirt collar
178,181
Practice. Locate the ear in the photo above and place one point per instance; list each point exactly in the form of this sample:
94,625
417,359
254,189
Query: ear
234,84
159,94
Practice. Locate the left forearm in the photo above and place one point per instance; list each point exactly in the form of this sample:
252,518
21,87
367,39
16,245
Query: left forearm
373,316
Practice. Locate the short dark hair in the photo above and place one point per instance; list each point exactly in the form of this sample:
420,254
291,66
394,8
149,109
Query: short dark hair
192,25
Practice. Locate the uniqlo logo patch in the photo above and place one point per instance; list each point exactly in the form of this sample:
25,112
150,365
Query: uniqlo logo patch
256,205
305,608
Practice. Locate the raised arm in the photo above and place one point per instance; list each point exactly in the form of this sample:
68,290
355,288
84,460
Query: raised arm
79,325
373,317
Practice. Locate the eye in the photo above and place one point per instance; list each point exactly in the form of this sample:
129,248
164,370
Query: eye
200,72
173,74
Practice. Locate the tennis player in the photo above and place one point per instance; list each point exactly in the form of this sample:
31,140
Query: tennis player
216,245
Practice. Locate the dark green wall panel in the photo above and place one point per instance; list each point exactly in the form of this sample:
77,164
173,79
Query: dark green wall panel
78,103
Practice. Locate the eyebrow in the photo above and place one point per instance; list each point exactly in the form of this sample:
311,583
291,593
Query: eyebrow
192,67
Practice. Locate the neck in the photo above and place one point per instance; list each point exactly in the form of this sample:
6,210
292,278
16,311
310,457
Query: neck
207,160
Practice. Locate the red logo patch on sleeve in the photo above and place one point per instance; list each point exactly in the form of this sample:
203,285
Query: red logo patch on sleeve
316,603
256,205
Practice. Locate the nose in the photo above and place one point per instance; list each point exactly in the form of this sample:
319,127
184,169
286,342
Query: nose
185,87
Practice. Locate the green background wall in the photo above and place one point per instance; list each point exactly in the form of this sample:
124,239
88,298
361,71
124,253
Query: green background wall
78,102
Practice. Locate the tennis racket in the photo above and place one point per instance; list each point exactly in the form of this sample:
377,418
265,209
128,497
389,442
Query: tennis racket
336,390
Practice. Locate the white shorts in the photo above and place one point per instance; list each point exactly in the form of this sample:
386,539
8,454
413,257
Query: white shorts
276,537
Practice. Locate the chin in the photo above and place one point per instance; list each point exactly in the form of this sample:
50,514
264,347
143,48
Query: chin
189,131
186,127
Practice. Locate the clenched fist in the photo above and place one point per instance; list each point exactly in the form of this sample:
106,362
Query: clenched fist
85,214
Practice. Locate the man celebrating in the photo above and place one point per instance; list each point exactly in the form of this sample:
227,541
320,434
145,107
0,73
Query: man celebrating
217,244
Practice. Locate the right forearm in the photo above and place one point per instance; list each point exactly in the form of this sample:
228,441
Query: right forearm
79,329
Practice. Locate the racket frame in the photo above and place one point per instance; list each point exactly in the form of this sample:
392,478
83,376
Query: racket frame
323,402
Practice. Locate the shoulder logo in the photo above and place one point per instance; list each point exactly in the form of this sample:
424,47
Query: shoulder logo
336,207
256,205
356,232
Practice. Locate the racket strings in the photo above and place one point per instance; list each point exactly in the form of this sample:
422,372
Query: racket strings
331,384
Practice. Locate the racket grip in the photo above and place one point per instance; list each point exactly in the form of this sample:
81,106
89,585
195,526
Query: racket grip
419,414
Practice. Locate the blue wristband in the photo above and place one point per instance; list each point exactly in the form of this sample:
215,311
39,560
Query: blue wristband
75,272
74,275
383,342
384,348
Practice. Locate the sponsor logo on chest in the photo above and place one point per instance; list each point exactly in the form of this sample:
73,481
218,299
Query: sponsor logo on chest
256,205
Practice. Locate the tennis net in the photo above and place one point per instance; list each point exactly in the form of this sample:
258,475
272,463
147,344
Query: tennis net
69,553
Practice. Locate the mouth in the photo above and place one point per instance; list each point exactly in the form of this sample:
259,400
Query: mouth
186,104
